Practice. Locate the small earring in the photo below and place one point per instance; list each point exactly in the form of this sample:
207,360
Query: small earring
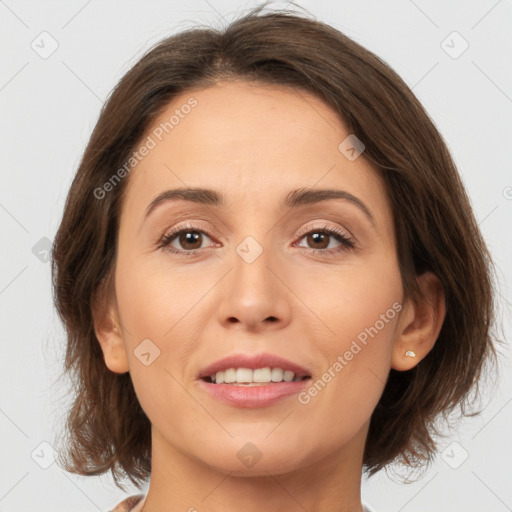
410,353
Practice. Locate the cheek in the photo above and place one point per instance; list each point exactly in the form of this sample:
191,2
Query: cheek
359,311
162,321
357,359
153,297
355,299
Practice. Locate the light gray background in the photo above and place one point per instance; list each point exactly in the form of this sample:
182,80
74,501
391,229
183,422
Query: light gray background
48,109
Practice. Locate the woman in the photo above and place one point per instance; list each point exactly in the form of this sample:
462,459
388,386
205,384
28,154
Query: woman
269,272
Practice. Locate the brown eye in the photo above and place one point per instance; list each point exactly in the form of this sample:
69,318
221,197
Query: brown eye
190,239
319,239
187,240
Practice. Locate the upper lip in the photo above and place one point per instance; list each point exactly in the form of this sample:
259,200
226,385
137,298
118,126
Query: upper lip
253,361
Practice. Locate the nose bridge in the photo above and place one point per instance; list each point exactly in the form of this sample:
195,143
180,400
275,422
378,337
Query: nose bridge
251,261
252,291
252,237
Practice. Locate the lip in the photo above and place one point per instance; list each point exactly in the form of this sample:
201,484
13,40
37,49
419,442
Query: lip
253,361
253,396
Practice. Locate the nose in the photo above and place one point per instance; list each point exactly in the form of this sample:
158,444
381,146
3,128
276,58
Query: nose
254,296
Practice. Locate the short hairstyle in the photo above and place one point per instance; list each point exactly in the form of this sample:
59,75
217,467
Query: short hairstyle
106,428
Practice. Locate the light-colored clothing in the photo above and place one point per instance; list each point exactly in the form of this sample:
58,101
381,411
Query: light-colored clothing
136,502
131,504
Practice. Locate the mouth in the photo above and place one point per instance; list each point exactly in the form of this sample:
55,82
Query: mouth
253,380
258,377
248,388
250,369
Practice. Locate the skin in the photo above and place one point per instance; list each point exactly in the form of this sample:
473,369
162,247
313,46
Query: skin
254,143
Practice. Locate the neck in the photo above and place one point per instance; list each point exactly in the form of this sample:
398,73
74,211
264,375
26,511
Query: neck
327,483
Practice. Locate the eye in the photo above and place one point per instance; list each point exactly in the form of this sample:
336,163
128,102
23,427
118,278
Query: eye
320,236
189,238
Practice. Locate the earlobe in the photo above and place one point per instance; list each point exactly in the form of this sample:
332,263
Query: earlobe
108,332
419,325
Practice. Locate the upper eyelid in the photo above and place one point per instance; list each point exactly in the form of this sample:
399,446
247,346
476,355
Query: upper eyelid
325,226
192,226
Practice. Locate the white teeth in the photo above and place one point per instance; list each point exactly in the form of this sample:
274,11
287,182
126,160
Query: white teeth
261,375
243,375
246,375
288,376
229,376
277,375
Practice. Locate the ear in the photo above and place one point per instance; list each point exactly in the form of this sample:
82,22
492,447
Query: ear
107,328
420,323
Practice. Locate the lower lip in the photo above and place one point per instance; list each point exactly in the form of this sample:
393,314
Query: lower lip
253,396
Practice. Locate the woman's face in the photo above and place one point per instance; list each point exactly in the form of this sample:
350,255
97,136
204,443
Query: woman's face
256,273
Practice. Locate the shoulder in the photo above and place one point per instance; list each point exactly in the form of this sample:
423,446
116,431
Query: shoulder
128,503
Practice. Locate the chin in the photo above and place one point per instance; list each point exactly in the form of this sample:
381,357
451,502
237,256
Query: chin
255,459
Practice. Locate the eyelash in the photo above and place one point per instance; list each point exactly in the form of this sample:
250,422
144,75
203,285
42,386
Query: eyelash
346,242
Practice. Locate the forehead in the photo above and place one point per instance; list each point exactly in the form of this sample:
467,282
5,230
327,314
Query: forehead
253,142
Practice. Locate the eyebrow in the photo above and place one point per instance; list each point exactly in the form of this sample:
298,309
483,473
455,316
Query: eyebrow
294,199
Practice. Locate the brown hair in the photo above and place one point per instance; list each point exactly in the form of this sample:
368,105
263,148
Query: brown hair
434,224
